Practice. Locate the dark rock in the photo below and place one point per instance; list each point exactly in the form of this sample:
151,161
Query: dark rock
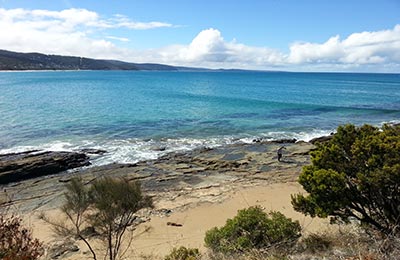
64,180
173,224
205,149
93,151
164,212
158,148
20,166
285,141
61,249
257,140
302,153
89,232
321,139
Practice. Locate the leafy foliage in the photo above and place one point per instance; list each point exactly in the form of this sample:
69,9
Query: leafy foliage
16,242
107,208
356,174
115,203
183,253
252,228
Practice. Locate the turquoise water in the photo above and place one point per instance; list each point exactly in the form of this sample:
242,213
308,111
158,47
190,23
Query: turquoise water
133,114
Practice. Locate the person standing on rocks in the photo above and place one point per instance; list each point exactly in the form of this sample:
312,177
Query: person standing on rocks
280,153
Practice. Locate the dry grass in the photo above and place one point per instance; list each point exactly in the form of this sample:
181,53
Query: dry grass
350,242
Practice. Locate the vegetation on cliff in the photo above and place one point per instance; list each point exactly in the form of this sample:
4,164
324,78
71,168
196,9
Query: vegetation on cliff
38,61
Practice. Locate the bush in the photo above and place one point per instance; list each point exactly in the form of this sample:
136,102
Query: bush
183,253
16,242
253,229
355,175
316,243
107,208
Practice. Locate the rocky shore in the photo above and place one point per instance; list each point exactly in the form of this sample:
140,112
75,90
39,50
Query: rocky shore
16,167
183,186
34,180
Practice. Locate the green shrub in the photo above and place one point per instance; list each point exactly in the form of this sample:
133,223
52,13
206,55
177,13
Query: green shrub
107,208
315,243
356,175
252,228
183,253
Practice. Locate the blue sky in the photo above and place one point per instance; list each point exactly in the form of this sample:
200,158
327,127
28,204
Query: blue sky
293,35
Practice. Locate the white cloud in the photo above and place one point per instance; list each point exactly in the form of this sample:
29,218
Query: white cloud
75,32
207,45
66,32
123,21
380,47
121,39
75,17
307,52
210,49
374,51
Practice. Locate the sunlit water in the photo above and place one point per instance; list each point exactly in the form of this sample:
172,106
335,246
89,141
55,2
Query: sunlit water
134,114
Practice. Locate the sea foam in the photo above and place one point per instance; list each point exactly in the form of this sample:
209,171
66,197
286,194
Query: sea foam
132,150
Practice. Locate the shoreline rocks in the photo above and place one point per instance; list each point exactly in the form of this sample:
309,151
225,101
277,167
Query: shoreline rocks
174,180
321,139
93,151
16,167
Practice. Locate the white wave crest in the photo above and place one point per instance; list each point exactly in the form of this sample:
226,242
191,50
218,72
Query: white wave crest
132,150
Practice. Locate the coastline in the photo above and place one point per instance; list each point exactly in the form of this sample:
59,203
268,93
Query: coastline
116,111
134,150
197,189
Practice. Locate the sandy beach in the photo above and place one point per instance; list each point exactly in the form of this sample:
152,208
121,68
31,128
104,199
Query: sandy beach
159,238
195,191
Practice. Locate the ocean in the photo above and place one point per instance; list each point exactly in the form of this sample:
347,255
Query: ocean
142,115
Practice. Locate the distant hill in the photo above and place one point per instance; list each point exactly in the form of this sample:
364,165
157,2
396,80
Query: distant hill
37,61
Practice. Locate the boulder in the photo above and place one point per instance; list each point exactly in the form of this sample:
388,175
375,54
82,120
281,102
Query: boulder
93,151
321,139
26,165
285,141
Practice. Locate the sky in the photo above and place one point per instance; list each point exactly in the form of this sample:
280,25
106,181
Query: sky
291,35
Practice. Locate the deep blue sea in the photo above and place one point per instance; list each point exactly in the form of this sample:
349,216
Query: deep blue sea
133,114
